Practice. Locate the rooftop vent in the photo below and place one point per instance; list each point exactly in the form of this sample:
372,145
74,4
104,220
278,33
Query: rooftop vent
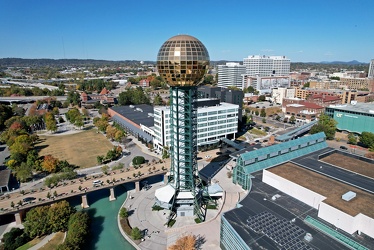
348,196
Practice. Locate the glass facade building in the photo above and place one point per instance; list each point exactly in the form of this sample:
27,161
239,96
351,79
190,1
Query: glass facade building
229,238
356,118
263,158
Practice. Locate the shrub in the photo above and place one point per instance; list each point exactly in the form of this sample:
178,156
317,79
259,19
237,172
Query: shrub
229,174
171,223
156,208
119,166
123,213
138,160
136,234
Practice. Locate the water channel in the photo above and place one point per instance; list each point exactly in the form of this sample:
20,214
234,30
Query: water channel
104,232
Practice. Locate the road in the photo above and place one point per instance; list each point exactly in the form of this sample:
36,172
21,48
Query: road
80,186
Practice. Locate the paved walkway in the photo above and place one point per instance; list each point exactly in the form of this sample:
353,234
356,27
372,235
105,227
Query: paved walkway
43,242
159,236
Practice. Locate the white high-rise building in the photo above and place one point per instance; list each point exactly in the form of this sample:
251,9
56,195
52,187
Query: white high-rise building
230,75
267,65
215,120
371,69
278,94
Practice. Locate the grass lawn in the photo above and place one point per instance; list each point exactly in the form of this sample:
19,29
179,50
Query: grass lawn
30,243
54,242
80,149
256,131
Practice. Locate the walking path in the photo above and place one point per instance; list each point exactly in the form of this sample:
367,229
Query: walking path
43,242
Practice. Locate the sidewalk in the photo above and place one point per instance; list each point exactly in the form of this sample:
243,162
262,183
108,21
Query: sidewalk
43,242
158,236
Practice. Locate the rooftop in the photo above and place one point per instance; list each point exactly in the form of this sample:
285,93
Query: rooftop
331,189
358,107
138,114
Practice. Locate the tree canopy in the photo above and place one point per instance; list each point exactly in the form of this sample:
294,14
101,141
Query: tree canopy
367,139
325,124
133,96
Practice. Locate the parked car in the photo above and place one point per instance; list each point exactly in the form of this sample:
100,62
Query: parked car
343,147
28,200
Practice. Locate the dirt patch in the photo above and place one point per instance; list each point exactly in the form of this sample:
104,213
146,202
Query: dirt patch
351,164
331,189
80,149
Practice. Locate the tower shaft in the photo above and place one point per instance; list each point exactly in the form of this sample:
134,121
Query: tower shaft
183,147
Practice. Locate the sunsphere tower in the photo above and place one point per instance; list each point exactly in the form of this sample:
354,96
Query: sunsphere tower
182,62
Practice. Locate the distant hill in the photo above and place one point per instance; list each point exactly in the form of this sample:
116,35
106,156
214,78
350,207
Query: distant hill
20,62
354,62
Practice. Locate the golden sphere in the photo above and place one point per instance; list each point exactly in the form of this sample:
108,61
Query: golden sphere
183,61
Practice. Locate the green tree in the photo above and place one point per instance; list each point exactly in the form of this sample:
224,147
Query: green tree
157,100
261,98
133,96
352,139
5,113
325,124
155,83
367,139
257,113
292,119
100,159
15,238
263,113
24,172
73,98
136,234
105,169
59,214
37,223
50,122
78,230
208,79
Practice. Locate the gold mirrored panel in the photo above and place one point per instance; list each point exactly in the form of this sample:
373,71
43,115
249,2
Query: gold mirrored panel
182,61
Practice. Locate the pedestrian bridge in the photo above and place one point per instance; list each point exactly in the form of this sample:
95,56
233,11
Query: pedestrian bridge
296,132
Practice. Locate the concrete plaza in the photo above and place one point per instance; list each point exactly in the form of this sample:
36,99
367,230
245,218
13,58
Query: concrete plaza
158,236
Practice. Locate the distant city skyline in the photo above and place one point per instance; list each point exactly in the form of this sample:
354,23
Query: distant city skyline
304,31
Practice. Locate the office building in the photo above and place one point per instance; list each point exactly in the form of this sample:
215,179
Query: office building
265,84
224,95
267,65
278,94
355,117
230,75
371,69
215,120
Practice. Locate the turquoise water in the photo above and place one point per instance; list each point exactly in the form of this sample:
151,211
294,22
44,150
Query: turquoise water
104,232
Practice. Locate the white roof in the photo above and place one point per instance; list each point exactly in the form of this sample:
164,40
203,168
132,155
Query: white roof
165,194
215,188
185,195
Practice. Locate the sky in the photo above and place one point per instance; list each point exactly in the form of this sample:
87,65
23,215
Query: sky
302,30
